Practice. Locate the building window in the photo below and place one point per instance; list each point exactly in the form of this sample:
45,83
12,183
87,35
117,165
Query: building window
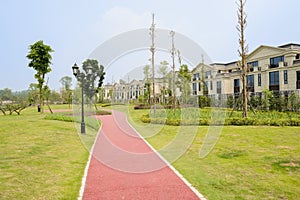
219,87
274,81
194,88
199,86
195,76
211,85
207,74
274,62
236,86
298,80
285,76
250,83
258,79
206,88
251,65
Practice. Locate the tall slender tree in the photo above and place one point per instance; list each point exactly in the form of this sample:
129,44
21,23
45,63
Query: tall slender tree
66,91
40,60
243,49
147,92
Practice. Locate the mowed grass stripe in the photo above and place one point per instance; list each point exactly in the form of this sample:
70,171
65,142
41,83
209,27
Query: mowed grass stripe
247,162
40,159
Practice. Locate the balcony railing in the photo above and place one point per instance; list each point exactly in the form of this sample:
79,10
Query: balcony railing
250,88
274,88
273,66
296,62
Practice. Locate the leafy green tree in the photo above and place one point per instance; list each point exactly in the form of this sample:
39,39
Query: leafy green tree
66,82
97,73
47,94
267,95
256,102
55,97
293,102
230,102
184,76
163,73
13,101
33,93
276,102
92,73
40,60
6,94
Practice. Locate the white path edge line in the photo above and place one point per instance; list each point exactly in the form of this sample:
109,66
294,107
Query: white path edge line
169,165
83,181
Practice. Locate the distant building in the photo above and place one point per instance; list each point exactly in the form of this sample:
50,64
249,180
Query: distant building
275,68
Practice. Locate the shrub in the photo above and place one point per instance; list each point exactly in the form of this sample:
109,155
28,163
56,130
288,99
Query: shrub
60,118
105,104
141,106
204,101
103,112
270,118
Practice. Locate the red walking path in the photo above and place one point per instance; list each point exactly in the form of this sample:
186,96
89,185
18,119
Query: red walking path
124,166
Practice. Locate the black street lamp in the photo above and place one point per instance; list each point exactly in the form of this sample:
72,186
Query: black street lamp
80,77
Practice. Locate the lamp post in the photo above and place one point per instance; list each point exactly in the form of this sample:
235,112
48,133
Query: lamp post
81,76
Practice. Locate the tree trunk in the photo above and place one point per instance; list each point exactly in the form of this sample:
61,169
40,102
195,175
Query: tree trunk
242,52
245,102
41,98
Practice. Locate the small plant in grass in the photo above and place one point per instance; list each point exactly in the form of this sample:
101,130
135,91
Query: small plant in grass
232,154
287,165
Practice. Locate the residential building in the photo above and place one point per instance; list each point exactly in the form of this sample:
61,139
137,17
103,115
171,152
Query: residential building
275,68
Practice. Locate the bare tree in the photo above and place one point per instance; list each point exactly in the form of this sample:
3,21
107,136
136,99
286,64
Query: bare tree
163,71
172,33
243,49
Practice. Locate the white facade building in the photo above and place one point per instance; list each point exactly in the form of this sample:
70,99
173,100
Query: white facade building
274,68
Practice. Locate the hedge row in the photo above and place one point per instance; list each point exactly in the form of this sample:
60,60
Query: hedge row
92,123
60,118
159,106
228,122
103,112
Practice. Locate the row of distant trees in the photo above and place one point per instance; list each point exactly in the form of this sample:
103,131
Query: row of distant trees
11,102
39,93
182,81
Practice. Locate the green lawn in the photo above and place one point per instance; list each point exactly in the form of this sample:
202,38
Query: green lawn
248,162
45,159
41,159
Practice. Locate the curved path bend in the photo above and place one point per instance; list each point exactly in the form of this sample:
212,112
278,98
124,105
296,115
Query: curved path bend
123,166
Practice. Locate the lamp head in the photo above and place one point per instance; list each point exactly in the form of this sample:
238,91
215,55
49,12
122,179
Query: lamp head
75,69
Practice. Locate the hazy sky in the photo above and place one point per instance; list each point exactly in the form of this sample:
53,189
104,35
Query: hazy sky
74,28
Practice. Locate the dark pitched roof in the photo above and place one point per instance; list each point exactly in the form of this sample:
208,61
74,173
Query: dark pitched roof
290,46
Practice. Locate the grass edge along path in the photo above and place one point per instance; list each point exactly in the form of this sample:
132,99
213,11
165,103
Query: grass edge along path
40,159
248,162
